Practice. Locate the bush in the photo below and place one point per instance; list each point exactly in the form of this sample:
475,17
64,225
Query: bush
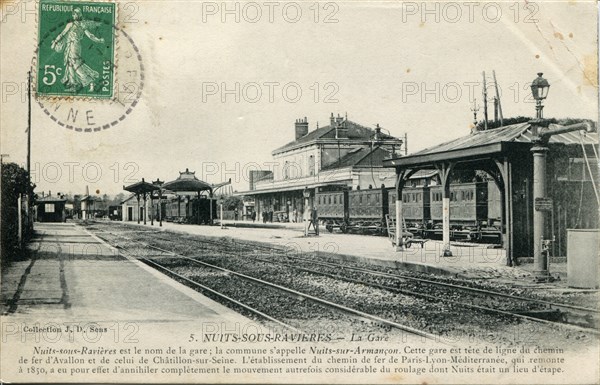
13,182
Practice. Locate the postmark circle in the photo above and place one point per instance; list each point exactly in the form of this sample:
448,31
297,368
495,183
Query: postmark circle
88,114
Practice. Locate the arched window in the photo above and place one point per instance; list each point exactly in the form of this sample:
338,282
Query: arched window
286,170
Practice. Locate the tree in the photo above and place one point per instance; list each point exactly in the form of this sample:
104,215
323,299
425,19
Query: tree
117,199
231,202
14,183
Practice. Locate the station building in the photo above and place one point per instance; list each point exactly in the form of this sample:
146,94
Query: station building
343,154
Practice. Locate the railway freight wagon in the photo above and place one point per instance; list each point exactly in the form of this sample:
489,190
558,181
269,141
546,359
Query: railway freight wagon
353,210
332,208
416,208
367,210
468,209
472,206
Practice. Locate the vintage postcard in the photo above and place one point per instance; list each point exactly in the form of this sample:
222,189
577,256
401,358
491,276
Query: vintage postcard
299,192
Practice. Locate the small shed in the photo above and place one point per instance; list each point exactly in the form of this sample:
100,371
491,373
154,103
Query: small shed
51,209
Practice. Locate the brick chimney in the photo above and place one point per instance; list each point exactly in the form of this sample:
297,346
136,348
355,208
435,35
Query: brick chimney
340,126
301,126
377,133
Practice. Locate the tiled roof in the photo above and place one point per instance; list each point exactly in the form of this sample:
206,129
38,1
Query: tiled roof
50,199
362,157
353,130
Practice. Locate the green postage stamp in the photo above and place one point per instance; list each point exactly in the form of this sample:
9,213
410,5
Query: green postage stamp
76,49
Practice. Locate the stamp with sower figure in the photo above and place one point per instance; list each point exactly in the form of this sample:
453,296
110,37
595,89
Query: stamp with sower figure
76,49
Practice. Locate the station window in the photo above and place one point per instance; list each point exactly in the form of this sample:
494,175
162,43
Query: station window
376,198
311,165
360,199
286,170
49,207
329,199
335,199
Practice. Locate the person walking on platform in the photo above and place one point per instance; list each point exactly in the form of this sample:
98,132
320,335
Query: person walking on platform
253,216
313,220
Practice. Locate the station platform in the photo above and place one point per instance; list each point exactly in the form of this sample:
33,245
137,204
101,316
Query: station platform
468,260
73,277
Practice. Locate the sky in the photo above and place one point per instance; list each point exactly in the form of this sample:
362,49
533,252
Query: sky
413,68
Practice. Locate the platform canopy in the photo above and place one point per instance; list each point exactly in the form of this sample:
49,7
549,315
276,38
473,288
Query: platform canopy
484,145
504,153
187,182
142,187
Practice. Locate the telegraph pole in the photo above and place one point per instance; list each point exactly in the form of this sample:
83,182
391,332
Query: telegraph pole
29,192
29,126
485,111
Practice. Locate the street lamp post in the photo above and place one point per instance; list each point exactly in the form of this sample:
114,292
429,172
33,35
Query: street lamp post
539,90
306,216
159,183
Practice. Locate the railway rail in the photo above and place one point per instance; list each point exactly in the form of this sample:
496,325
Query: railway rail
571,314
355,314
571,317
295,293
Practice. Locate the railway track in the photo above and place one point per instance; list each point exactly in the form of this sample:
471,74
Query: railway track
581,318
220,295
360,316
357,314
567,316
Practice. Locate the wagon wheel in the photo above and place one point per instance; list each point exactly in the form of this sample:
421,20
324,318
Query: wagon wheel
329,228
408,244
344,229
